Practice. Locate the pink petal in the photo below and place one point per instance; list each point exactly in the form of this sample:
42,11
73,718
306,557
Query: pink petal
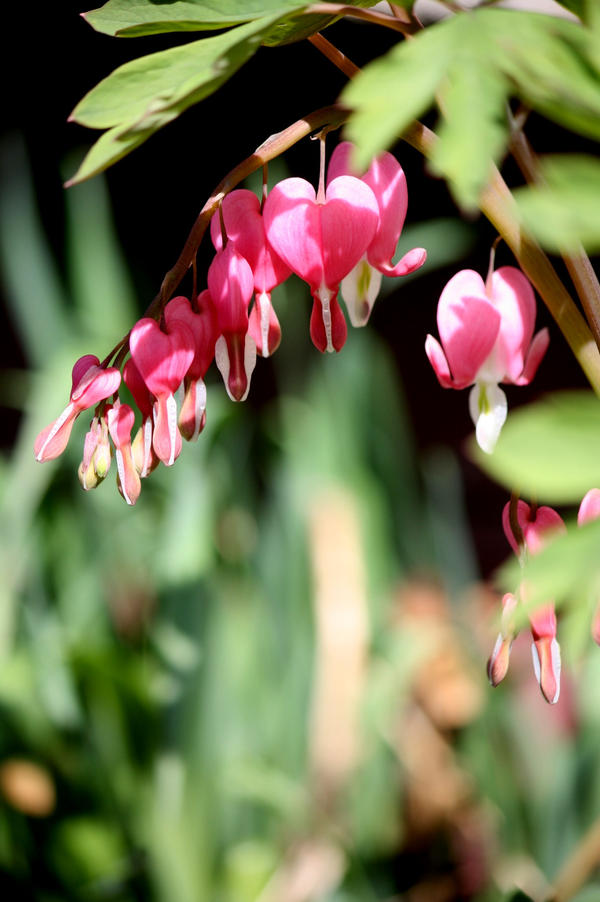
192,416
166,438
235,356
246,230
96,384
339,163
203,326
293,228
231,286
437,359
121,420
386,178
411,261
543,622
328,328
589,509
514,299
523,510
138,388
52,441
128,478
81,367
538,526
144,456
546,663
162,358
545,526
263,325
468,327
349,219
536,351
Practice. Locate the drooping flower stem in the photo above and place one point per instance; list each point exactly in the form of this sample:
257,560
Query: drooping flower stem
498,205
332,116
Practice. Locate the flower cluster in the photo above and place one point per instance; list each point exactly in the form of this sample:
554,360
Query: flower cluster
344,234
528,529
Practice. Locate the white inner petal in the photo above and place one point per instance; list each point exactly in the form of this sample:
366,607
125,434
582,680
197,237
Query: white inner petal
359,290
488,408
325,298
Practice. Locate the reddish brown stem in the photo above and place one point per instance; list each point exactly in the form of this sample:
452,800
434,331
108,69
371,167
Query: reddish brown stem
368,15
332,116
578,264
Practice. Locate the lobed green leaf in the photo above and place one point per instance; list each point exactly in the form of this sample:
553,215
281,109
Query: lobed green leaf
562,211
471,63
397,88
568,568
141,96
298,27
132,18
549,450
474,131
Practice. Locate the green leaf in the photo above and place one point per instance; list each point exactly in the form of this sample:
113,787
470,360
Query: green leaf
562,211
397,88
554,65
474,130
132,18
472,61
568,568
141,96
297,28
549,450
575,6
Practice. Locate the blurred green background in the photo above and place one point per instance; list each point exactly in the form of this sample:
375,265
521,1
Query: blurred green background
265,683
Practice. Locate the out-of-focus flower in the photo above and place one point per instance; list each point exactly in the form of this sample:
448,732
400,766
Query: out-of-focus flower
486,332
536,526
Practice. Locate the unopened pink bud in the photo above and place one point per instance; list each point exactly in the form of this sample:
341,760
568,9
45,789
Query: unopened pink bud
498,662
96,455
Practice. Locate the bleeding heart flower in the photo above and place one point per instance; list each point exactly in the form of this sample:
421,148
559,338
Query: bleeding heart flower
537,526
163,359
121,419
245,229
385,177
321,241
143,453
486,331
231,285
204,328
91,383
